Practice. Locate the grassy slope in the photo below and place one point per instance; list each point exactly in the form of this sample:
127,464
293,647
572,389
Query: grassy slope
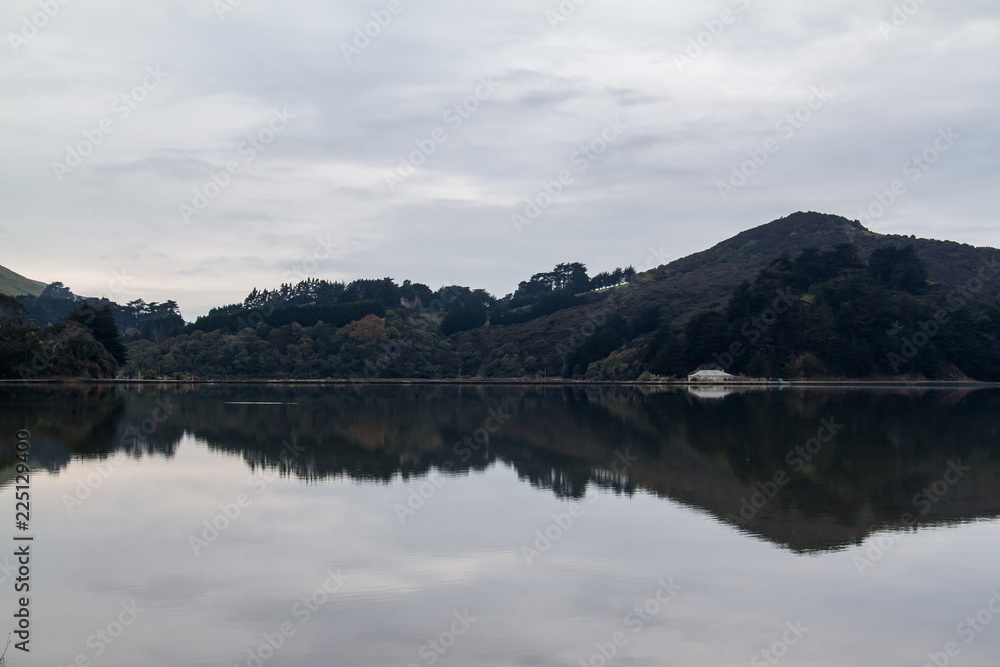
15,284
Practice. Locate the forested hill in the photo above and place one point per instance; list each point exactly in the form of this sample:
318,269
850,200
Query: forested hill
707,279
853,304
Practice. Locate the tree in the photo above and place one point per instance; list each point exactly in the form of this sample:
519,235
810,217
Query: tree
10,305
899,269
665,354
102,327
571,276
705,337
463,319
369,329
57,291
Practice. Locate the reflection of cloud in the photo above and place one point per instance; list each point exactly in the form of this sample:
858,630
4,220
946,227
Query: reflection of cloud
421,572
406,583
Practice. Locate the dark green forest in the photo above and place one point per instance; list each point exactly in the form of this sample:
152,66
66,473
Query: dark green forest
863,306
828,314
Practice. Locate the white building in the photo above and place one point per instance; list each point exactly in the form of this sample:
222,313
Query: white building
710,376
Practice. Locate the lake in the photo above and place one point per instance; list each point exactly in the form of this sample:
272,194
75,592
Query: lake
500,526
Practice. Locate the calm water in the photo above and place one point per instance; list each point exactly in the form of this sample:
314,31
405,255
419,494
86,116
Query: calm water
501,526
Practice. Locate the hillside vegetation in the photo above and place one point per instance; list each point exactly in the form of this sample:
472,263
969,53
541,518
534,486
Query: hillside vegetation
809,295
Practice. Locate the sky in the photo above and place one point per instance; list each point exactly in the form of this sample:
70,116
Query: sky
195,149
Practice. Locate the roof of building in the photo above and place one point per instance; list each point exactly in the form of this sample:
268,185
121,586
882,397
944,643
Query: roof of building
710,373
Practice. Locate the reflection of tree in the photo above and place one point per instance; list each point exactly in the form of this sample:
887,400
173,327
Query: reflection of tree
708,455
84,420
62,421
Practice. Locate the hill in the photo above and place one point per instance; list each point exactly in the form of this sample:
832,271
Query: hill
14,284
859,299
705,280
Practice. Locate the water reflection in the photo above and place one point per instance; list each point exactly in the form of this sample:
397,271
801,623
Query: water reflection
806,470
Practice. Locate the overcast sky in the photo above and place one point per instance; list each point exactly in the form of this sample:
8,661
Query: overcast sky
114,115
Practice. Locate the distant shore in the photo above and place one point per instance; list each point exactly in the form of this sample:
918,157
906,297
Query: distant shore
553,382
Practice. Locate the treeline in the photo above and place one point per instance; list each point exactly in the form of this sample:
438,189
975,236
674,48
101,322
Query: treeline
829,314
312,300
398,345
376,328
548,292
312,329
136,319
821,313
85,344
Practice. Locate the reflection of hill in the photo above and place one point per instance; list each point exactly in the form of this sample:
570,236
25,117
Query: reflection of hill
707,454
711,456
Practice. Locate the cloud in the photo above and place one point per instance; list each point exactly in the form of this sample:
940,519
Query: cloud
557,83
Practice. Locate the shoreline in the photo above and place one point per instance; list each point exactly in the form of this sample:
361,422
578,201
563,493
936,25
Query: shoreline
560,382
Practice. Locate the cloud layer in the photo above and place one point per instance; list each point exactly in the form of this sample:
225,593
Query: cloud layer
200,149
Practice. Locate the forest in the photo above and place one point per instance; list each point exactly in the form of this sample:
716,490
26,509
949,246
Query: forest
826,314
809,313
